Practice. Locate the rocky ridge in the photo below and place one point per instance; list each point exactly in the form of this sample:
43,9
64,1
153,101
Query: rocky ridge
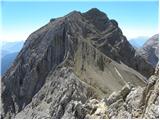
66,63
129,103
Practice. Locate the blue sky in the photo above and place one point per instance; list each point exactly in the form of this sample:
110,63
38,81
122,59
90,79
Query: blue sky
20,19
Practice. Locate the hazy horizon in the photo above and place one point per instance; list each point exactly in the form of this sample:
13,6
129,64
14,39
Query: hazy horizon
20,19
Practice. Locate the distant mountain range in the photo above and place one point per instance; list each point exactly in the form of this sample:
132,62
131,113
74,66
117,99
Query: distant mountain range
11,47
9,51
138,41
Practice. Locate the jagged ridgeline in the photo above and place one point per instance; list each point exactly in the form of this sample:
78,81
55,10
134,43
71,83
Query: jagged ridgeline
71,59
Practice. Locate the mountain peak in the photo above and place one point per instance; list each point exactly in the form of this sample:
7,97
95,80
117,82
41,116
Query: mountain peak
77,52
95,11
97,17
74,13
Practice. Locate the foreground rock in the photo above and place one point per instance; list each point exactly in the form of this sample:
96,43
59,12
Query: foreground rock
60,97
140,102
80,101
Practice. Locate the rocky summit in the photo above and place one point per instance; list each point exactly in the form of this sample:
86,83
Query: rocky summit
79,66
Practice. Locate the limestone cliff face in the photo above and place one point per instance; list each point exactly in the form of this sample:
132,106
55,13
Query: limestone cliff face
78,51
30,69
150,50
111,41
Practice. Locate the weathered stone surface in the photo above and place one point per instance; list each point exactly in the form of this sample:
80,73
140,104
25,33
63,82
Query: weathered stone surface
118,95
152,107
98,110
139,103
60,97
113,98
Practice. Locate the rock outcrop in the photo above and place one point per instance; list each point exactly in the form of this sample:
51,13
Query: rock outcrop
130,102
80,101
66,63
139,102
59,97
150,50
